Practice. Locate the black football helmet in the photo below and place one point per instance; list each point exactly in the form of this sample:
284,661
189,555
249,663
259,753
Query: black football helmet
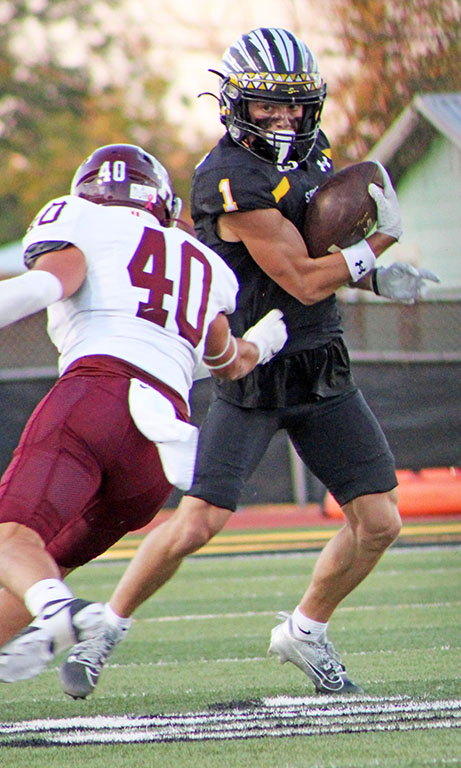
271,64
124,174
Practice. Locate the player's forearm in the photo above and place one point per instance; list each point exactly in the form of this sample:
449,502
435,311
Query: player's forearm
311,280
285,260
225,356
238,357
246,359
379,242
278,248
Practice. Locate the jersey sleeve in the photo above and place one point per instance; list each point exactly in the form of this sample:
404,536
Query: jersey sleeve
55,226
33,251
232,188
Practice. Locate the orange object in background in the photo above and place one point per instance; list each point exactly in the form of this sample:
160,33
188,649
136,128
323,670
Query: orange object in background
421,494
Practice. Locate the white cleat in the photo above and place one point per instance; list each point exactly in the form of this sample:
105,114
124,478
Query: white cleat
58,627
25,655
318,660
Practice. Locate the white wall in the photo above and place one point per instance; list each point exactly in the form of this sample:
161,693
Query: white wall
430,199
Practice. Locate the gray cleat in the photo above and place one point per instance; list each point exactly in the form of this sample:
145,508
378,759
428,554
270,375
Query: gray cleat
80,672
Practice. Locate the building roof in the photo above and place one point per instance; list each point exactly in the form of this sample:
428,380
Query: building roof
427,114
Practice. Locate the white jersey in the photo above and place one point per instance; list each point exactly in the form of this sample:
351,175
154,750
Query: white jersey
149,295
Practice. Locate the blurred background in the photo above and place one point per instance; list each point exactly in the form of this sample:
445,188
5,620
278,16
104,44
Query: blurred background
76,74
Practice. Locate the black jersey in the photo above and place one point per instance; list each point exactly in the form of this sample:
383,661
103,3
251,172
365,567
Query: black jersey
230,178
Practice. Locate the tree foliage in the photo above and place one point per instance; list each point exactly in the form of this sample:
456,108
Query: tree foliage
393,50
60,100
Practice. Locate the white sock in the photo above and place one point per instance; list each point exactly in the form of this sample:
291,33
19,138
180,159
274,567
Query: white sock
43,592
116,621
307,629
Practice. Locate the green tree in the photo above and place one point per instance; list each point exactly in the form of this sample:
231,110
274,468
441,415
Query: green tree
54,110
393,49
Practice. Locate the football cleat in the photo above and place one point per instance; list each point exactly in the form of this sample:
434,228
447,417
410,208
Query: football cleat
60,624
25,655
80,672
318,660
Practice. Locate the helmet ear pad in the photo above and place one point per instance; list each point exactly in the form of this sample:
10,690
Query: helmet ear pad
232,109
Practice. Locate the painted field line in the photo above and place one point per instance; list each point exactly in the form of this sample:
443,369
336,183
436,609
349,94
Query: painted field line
268,717
281,541
255,614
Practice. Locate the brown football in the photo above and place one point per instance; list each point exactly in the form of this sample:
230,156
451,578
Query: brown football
341,212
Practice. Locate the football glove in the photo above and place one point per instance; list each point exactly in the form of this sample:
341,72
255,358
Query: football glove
402,282
269,334
389,219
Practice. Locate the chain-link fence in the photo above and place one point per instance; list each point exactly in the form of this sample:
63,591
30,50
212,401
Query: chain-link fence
406,359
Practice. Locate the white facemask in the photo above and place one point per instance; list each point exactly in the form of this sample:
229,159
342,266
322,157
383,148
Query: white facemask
282,147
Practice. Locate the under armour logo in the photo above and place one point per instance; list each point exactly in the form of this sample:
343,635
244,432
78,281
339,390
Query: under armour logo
324,164
360,267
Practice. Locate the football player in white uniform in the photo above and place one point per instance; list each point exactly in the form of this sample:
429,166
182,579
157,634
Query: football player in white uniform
136,307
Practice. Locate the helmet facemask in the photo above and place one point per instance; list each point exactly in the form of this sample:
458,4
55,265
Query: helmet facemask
273,65
283,147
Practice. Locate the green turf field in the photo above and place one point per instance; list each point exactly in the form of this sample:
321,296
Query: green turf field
193,686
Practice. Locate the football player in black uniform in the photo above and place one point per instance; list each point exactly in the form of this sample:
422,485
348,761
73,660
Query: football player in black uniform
248,201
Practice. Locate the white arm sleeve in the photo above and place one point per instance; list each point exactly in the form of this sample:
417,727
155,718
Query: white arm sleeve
26,294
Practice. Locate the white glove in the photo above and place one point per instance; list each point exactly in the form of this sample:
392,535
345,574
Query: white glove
389,219
402,282
269,334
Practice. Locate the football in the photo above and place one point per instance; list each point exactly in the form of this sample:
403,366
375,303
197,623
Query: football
341,212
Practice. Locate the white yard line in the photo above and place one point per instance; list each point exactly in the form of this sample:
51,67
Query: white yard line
252,614
277,717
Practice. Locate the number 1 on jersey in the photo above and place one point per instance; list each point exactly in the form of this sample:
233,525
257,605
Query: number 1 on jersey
229,204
